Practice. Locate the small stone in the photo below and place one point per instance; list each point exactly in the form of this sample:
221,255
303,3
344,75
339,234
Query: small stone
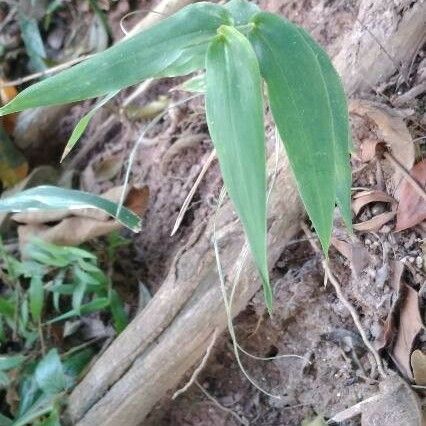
411,259
367,242
419,261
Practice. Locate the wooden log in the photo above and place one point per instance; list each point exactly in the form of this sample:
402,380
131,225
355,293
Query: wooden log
171,334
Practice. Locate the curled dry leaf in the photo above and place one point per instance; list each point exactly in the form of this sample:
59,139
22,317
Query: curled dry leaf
363,198
388,128
404,322
375,223
78,226
412,206
368,149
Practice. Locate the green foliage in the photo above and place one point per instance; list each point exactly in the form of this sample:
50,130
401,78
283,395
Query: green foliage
52,284
54,198
239,113
233,42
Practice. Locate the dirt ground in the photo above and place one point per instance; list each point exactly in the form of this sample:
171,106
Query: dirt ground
330,368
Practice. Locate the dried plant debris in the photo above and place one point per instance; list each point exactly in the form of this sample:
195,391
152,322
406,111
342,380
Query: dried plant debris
389,128
412,205
395,405
74,228
404,324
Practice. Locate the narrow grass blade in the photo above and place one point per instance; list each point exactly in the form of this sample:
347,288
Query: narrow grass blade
145,55
301,109
81,126
55,198
234,107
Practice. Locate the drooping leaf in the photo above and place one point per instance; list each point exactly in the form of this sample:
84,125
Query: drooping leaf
147,54
342,138
49,373
234,108
301,108
82,124
55,198
36,294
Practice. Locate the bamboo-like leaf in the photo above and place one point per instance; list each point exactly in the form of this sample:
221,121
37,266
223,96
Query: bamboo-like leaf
301,108
234,107
147,54
55,198
82,124
342,138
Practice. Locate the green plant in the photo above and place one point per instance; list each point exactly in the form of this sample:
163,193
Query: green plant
240,47
52,285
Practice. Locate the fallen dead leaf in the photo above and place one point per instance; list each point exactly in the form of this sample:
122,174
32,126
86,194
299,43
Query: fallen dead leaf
412,206
369,149
6,95
418,364
398,406
107,168
355,252
395,405
375,223
363,198
403,323
388,128
80,225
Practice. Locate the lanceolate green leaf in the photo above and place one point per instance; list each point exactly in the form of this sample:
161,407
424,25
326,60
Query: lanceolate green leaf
339,111
234,109
142,56
54,198
81,126
301,109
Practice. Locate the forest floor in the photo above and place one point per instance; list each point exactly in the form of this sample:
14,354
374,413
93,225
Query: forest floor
375,266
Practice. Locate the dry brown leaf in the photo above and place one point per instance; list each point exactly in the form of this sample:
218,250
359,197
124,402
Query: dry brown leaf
389,128
368,149
398,406
412,206
363,198
409,326
107,168
418,364
404,322
375,223
395,405
78,226
355,252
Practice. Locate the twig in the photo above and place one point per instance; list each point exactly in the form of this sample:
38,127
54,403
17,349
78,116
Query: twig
242,420
45,73
416,185
200,367
191,193
330,277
